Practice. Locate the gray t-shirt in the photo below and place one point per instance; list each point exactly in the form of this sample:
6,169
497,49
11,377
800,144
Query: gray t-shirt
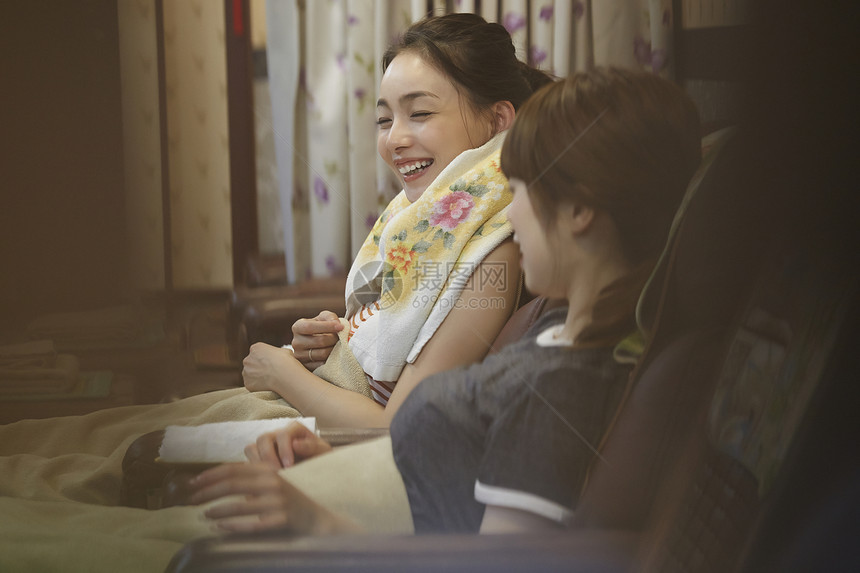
517,430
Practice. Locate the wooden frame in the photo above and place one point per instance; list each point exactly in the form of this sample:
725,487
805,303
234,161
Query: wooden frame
240,109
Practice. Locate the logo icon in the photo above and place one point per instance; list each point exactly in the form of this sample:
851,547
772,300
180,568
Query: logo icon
377,281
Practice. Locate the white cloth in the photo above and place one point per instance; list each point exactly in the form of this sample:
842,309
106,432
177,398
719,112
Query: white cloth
219,442
419,257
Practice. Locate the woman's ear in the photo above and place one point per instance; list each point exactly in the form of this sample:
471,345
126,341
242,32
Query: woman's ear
503,114
579,217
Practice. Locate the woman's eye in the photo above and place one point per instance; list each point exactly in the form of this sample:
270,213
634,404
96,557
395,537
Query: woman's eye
383,122
421,114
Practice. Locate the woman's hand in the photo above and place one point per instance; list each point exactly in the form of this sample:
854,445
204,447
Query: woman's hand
283,448
267,502
266,366
314,338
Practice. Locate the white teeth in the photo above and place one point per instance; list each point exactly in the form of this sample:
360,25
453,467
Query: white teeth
407,169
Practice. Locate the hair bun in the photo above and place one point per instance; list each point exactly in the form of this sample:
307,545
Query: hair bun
534,77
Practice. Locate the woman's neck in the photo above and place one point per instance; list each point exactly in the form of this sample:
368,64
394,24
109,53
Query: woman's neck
584,290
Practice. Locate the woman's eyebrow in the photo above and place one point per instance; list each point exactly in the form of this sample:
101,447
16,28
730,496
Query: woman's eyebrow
406,98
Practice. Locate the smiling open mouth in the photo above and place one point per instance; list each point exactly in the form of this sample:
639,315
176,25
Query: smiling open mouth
414,170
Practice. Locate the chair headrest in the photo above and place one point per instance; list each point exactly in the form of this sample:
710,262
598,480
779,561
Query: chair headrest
713,245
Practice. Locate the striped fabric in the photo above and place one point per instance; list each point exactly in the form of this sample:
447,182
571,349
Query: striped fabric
364,313
381,390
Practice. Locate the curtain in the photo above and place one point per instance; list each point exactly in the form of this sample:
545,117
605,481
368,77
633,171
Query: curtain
198,145
324,69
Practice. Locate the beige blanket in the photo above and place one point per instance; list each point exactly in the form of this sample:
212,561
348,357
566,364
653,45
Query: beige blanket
79,457
70,536
342,369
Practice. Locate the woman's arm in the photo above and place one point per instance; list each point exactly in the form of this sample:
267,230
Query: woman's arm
264,501
468,332
464,337
499,519
269,368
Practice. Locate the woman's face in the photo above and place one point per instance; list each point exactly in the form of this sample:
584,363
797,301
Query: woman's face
540,256
423,123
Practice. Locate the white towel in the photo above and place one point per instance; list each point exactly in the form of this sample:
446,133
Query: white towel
413,266
219,442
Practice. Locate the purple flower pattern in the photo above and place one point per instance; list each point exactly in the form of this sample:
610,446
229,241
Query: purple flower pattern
370,220
645,56
537,56
546,12
334,269
321,190
513,21
578,10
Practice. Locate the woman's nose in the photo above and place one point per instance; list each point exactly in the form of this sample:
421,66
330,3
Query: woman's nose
399,136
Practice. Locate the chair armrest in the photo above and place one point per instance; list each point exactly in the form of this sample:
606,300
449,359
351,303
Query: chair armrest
346,436
578,550
243,297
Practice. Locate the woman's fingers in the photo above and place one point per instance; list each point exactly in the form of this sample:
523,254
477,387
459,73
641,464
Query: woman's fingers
244,525
253,454
284,455
238,508
326,322
309,446
313,352
259,499
265,450
326,315
302,443
233,479
314,338
259,514
283,448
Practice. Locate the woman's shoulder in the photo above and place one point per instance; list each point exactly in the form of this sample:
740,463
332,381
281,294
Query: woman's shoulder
505,253
547,363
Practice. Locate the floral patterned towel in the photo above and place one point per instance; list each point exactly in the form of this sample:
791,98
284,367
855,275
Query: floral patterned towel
418,257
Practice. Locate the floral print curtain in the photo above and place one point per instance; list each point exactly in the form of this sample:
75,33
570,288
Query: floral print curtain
324,70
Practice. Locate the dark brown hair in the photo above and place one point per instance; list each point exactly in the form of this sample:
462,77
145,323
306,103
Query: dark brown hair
620,141
476,55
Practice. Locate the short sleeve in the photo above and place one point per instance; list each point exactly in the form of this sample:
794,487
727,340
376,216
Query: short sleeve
538,449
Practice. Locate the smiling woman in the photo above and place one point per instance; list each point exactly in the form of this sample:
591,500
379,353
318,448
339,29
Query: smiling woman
450,249
504,445
424,122
450,89
449,85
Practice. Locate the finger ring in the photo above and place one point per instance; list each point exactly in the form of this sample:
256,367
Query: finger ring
310,354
